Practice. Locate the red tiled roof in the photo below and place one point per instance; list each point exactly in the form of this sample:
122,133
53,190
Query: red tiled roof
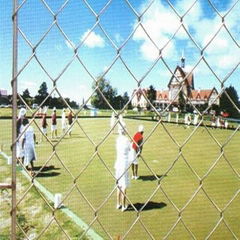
201,94
162,94
139,92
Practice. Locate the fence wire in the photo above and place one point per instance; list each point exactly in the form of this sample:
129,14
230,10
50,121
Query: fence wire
76,185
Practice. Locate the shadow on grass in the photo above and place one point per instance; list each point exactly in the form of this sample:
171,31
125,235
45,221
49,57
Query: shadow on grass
151,177
46,168
149,206
47,174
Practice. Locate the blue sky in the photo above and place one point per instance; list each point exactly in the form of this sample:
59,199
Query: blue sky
118,21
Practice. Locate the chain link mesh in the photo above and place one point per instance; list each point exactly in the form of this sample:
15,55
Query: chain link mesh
138,216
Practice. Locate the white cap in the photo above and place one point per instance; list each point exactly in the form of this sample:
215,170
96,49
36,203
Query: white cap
22,112
140,128
54,109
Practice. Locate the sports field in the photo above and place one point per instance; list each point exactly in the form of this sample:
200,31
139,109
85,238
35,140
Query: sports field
210,156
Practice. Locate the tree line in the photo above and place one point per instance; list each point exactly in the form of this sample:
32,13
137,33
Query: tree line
51,102
105,95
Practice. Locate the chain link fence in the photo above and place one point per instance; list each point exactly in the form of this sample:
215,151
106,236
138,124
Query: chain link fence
189,171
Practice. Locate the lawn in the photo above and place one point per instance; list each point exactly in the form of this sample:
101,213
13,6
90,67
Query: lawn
33,214
84,176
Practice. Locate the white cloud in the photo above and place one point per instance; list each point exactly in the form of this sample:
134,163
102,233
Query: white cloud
161,22
92,39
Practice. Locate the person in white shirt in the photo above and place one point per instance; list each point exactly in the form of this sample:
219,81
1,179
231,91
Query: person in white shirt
19,150
121,166
28,144
112,121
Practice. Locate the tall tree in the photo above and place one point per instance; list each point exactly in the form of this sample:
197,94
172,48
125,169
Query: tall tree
108,92
151,94
227,105
181,102
26,94
42,93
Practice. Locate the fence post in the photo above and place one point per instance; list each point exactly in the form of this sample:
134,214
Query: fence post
14,116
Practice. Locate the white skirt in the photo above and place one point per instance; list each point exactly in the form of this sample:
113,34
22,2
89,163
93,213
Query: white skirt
19,150
122,178
133,157
44,130
53,127
30,154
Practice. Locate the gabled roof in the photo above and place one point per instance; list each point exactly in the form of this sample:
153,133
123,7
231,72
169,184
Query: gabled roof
189,81
202,94
162,94
139,92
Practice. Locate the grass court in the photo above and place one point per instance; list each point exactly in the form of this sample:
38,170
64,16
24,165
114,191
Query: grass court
77,168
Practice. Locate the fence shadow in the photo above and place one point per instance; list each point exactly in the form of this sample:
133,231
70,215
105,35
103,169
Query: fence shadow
149,206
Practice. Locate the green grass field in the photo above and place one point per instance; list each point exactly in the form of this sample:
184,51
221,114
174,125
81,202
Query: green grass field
87,176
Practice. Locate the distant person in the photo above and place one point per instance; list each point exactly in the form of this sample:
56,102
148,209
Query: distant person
44,124
54,124
70,121
213,121
136,150
64,125
121,122
19,149
121,166
28,144
112,121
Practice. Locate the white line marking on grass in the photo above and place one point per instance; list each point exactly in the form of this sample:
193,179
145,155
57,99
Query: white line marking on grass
90,233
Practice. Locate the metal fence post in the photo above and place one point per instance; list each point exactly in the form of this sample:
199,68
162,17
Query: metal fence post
14,117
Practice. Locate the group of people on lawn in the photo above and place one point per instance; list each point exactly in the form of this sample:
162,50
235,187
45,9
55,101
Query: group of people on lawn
127,152
25,147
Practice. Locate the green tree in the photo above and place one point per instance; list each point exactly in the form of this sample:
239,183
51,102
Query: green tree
108,92
42,93
226,104
27,97
26,94
181,102
151,94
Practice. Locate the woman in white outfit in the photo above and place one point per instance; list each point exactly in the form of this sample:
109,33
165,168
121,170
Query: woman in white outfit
28,144
122,164
112,120
19,150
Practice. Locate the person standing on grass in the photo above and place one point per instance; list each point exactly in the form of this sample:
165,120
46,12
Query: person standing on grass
112,121
121,166
64,125
136,150
28,144
70,120
54,124
44,124
19,149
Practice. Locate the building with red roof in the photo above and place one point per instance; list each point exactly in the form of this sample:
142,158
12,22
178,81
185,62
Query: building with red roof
181,81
